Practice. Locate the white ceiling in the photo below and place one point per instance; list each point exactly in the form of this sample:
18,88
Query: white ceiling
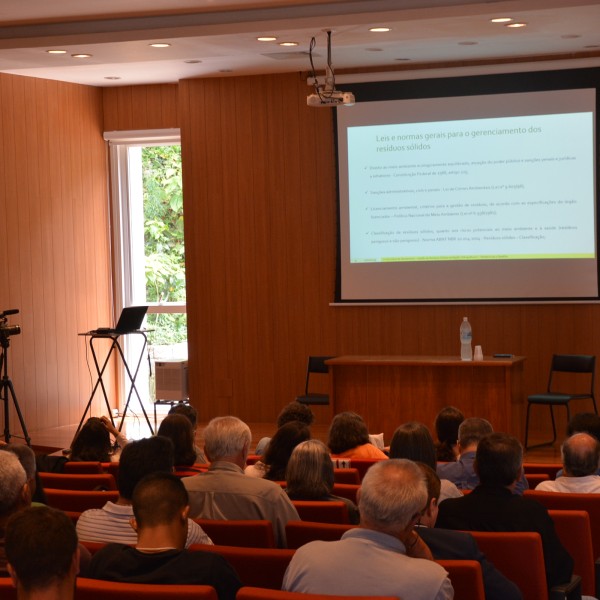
221,35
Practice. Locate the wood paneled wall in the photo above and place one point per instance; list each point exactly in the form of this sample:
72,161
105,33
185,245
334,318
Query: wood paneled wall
140,107
260,216
54,252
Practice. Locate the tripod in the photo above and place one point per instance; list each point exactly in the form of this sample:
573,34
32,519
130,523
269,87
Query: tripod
6,388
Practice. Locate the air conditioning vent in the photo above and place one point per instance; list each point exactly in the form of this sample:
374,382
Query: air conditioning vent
171,379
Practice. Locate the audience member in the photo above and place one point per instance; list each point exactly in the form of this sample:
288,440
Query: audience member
446,430
580,457
462,472
111,523
92,441
382,557
179,430
225,492
492,505
349,438
15,495
26,457
161,509
294,411
42,553
278,452
413,441
187,410
446,544
309,476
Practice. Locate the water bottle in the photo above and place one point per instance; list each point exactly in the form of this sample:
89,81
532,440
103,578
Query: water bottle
466,335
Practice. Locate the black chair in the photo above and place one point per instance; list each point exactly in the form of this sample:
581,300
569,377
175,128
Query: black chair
316,364
584,365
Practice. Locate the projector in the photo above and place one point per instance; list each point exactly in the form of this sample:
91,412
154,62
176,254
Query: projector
330,98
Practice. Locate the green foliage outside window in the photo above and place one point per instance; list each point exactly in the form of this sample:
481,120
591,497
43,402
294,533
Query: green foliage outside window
163,237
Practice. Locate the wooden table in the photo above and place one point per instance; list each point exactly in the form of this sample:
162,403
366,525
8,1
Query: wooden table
390,390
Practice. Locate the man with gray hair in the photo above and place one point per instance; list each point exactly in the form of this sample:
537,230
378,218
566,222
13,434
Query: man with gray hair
14,496
384,556
225,492
580,456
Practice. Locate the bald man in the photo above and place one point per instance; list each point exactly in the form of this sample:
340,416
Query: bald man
580,457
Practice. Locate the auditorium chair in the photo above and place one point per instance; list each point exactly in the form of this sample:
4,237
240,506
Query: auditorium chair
298,533
466,578
564,501
76,481
573,529
258,567
350,475
578,367
363,465
96,589
256,593
78,500
520,557
550,469
346,490
248,533
533,479
322,510
83,467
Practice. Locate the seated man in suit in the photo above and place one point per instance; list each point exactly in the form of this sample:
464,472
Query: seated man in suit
225,492
492,505
446,544
42,553
580,456
382,557
160,508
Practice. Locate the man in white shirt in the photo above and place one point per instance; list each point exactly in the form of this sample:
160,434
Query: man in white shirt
382,557
580,457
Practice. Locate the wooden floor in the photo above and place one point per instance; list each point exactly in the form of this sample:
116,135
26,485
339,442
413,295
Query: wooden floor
56,438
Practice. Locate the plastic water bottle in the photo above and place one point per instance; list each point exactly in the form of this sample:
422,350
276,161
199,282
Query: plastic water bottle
466,335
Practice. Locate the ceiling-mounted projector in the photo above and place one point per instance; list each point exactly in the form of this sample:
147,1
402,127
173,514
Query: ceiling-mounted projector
334,98
325,94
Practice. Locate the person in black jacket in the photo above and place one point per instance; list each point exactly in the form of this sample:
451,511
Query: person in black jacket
492,506
446,544
160,508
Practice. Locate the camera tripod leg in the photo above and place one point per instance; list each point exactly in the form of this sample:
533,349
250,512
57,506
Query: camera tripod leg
7,387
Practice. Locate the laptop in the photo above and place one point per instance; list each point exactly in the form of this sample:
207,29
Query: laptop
131,319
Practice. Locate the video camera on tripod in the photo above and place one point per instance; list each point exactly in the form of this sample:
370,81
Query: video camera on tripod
7,330
7,390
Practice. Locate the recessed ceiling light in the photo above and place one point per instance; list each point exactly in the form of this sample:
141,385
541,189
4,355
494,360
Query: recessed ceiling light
468,43
225,70
402,59
379,29
160,45
56,51
112,77
516,25
570,36
501,20
287,44
267,38
373,49
592,46
81,55
193,61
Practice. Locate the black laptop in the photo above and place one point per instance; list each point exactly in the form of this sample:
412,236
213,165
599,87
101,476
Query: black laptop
131,319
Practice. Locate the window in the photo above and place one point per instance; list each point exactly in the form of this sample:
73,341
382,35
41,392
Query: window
148,246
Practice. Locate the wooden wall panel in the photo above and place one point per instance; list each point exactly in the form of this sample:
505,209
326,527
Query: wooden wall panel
260,209
140,107
54,253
